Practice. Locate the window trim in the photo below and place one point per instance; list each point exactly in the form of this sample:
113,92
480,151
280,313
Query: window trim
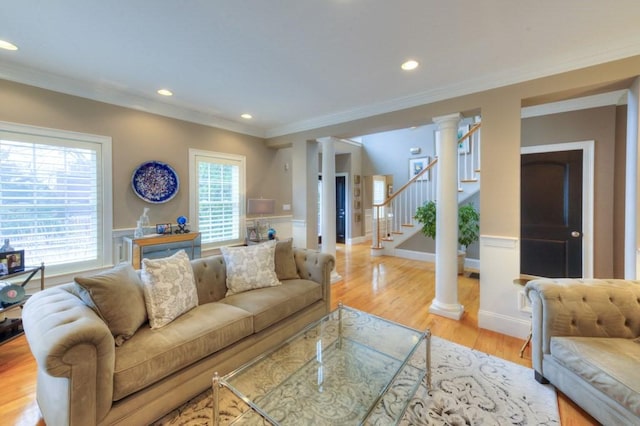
103,146
193,193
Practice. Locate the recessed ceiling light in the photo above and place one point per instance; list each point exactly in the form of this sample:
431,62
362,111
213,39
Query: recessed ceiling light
246,116
165,92
7,46
410,65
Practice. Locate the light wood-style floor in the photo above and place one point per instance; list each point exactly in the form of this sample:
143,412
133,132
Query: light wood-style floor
394,288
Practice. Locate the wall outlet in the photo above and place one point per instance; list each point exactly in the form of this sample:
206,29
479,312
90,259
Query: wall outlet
286,207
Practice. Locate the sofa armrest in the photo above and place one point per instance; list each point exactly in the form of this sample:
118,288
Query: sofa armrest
588,308
316,266
75,354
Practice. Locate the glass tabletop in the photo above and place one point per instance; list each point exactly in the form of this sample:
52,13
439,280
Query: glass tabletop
334,372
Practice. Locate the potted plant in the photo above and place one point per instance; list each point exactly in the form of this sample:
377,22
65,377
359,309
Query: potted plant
468,226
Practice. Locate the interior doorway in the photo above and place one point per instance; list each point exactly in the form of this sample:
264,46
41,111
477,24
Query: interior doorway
341,208
556,214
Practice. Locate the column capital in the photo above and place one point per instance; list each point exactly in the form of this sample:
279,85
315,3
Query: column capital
451,119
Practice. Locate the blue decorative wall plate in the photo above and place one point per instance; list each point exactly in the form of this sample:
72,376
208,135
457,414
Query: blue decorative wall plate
155,182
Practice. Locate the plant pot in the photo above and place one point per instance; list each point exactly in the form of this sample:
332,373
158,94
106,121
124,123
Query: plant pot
461,257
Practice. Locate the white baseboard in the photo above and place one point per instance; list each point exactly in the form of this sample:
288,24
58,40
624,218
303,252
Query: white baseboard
516,327
358,240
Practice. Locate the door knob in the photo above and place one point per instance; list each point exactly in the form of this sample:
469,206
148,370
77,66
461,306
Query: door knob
575,234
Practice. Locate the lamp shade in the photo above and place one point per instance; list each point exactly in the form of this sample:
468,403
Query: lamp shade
261,206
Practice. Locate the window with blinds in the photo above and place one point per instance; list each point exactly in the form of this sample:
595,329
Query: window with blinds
379,193
217,198
52,196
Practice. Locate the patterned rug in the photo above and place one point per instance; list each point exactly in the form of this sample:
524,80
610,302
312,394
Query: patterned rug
468,388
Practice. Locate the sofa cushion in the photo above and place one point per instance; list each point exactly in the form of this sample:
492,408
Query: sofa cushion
250,267
116,295
285,263
608,364
270,305
169,288
210,274
151,355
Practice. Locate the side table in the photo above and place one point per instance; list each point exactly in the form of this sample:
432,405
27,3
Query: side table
10,328
522,280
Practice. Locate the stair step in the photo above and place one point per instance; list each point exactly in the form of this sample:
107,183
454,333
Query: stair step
468,180
476,171
408,225
387,239
397,233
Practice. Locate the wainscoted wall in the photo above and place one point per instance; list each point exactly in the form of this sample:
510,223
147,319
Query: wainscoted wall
500,265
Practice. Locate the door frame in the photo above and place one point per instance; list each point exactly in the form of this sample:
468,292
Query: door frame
347,203
588,185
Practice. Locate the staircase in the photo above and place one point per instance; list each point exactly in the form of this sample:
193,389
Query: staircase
393,220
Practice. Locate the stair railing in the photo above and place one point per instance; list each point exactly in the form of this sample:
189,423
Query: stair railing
397,212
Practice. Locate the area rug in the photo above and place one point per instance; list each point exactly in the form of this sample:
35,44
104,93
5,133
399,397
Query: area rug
468,388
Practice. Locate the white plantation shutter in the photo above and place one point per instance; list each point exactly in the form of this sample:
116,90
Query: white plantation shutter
218,201
52,196
379,192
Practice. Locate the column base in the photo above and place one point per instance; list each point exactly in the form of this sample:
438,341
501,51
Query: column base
335,277
447,310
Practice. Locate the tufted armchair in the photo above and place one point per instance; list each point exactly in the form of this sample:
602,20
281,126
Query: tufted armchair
585,342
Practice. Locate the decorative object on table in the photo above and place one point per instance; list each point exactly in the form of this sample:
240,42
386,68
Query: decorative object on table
182,225
6,246
10,293
468,226
155,182
417,165
142,223
252,234
271,234
14,260
261,207
163,228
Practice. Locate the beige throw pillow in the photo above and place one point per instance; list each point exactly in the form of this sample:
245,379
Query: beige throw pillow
117,297
285,263
250,267
169,288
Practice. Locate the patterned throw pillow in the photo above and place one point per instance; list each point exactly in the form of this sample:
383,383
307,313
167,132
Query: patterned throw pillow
169,288
116,295
250,267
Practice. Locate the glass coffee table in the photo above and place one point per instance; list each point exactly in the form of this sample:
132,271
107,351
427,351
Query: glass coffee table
349,368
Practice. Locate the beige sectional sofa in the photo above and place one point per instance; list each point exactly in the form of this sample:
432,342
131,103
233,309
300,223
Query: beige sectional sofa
84,378
586,343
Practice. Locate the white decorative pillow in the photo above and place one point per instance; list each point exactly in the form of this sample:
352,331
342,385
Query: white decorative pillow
250,267
169,288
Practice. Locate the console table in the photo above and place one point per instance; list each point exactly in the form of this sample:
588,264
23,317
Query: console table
10,328
157,246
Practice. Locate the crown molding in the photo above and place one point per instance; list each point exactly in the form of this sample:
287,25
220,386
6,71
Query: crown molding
483,83
604,99
111,94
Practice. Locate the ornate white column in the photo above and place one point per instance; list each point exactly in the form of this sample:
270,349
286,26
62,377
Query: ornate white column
329,200
446,301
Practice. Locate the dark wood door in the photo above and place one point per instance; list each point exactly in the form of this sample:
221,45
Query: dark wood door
341,207
551,214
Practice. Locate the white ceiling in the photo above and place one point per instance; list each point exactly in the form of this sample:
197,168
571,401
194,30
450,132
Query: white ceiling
300,64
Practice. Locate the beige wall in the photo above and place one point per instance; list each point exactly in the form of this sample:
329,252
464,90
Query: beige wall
500,183
137,137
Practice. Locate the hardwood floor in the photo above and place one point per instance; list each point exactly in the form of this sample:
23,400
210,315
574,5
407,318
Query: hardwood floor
394,288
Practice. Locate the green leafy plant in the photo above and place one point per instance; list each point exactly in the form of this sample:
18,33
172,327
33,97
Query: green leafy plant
468,222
